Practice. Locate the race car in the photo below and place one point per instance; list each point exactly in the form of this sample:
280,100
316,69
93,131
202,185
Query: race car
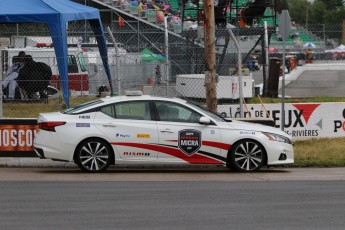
141,129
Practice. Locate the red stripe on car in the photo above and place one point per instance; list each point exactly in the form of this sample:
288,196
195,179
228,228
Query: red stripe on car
175,152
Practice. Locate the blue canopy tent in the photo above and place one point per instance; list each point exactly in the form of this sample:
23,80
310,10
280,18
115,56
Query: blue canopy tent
56,13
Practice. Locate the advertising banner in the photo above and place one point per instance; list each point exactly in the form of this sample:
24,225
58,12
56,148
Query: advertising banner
17,137
302,120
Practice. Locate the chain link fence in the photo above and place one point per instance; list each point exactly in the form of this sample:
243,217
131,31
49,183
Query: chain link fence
144,62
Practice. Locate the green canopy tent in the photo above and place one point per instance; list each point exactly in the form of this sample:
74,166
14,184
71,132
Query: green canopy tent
148,56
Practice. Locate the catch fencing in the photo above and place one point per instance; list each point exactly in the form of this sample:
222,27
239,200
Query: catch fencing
143,61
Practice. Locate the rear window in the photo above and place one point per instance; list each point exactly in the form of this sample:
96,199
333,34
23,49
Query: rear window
134,110
83,106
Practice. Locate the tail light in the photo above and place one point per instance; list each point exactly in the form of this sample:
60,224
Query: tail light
50,125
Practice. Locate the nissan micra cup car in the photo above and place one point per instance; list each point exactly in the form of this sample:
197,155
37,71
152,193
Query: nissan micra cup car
156,130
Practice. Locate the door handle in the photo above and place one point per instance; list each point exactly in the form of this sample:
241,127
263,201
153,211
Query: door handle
166,131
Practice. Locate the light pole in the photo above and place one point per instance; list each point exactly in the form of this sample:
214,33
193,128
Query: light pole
307,16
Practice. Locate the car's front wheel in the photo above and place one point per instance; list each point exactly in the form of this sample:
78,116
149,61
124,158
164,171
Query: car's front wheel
93,155
247,156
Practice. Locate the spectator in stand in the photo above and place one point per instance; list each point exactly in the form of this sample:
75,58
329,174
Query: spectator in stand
134,3
166,6
176,19
144,2
12,74
140,8
168,14
150,5
160,17
156,7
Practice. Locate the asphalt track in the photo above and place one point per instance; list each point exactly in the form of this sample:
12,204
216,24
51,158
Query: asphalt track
161,198
313,83
170,174
318,83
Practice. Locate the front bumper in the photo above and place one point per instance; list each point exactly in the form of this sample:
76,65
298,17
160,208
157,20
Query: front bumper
279,153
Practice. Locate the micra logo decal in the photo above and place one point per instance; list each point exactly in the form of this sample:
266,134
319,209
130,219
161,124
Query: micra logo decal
189,141
143,135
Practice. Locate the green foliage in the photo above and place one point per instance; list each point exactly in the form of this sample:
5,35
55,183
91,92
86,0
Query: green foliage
297,10
335,15
319,11
331,4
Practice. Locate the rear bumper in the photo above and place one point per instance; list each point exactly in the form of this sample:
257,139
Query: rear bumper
39,152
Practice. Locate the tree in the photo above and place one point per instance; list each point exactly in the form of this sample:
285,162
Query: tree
282,5
318,12
331,4
297,10
335,16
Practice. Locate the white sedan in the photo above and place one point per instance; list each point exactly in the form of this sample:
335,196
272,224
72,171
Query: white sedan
157,130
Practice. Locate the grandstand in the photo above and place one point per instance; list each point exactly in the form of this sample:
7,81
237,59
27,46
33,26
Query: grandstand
190,39
174,4
187,35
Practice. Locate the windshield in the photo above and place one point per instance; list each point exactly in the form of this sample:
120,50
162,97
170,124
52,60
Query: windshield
206,111
77,108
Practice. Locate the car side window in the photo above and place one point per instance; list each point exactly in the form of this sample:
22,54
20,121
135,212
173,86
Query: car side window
108,110
132,110
176,113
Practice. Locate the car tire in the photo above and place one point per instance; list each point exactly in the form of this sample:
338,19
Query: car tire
94,155
247,156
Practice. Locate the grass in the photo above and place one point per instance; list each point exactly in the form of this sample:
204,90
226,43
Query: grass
32,110
325,152
256,100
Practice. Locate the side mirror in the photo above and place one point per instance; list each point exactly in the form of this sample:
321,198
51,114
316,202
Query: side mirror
204,121
223,115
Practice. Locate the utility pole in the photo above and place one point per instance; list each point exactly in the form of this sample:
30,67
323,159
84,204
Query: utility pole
210,54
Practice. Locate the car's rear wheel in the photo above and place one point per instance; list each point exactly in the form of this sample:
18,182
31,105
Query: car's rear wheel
93,155
247,156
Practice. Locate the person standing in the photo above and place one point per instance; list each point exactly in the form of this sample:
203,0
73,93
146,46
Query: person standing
12,74
158,75
309,56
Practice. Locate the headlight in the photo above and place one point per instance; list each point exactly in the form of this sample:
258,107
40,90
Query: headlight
277,137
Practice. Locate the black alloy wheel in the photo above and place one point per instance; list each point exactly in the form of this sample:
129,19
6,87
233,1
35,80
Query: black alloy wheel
247,156
93,155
